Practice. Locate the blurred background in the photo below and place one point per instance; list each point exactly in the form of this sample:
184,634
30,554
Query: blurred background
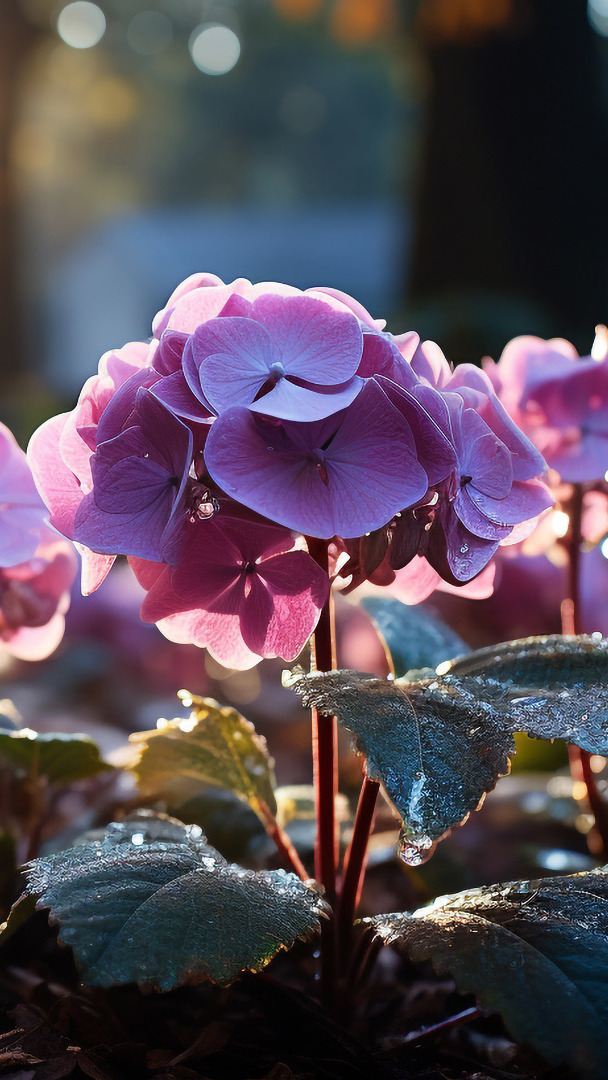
443,160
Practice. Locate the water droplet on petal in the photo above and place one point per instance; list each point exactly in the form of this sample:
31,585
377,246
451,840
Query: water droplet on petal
464,548
193,832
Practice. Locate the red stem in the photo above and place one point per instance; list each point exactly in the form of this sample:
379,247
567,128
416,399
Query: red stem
355,860
325,771
580,760
325,742
283,844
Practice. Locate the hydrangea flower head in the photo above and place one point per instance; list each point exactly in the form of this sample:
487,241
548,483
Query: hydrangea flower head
259,416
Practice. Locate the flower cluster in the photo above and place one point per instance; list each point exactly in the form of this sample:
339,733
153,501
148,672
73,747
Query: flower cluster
37,567
560,400
260,416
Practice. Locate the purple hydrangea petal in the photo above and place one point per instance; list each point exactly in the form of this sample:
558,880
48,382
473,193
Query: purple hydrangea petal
473,519
382,357
176,395
467,554
229,361
526,461
117,414
316,342
140,476
288,401
527,499
434,448
168,356
349,486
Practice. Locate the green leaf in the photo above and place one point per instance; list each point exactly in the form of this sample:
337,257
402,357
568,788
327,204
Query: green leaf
435,752
157,906
534,951
213,745
19,913
413,638
439,742
59,758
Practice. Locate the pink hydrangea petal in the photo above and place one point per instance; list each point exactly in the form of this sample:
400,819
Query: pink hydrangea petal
198,306
342,301
430,363
56,483
292,589
94,569
288,401
36,642
315,343
581,460
415,582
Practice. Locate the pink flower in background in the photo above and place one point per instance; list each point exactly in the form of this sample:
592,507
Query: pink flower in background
560,400
37,567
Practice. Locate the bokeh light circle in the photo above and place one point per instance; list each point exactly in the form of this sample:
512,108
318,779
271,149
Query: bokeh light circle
215,49
81,24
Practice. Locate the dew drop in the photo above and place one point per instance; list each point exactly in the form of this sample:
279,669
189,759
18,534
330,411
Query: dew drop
464,548
205,507
193,832
415,854
137,839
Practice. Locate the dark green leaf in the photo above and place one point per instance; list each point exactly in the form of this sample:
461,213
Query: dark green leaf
534,951
144,905
414,638
439,742
435,752
213,745
60,758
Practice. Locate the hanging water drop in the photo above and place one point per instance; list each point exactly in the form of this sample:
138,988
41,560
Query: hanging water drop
415,854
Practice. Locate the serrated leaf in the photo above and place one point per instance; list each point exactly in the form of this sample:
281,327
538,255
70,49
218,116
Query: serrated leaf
165,912
439,742
414,638
59,757
436,752
534,951
214,745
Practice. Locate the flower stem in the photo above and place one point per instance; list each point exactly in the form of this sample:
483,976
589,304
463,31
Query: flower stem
580,760
325,771
325,741
355,860
283,843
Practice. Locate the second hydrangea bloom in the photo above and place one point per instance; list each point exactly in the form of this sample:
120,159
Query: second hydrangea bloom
257,415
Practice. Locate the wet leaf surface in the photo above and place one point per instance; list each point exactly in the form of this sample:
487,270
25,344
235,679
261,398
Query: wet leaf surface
414,638
534,951
439,742
213,745
145,905
60,758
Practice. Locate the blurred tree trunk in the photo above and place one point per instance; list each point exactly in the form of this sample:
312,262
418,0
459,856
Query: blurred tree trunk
17,37
513,186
